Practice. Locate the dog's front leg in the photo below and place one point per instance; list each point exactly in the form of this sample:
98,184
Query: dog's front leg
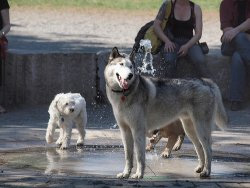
60,138
138,132
128,144
66,136
50,130
81,122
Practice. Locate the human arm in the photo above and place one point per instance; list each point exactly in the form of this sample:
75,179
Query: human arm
198,32
169,45
6,21
229,33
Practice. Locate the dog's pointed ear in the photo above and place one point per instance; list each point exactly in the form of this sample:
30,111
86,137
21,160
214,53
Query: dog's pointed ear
132,55
114,53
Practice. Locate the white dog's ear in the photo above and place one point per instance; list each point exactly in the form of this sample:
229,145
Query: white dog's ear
53,105
114,54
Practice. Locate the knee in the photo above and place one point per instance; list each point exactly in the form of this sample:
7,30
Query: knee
170,58
240,37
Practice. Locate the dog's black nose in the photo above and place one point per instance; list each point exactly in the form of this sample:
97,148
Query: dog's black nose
130,76
72,110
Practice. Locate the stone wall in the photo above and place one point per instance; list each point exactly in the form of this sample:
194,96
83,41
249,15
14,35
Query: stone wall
35,79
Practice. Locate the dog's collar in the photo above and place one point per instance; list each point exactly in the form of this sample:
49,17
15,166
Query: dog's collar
125,92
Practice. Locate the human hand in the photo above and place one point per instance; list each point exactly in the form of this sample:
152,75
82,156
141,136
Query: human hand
169,46
229,35
183,50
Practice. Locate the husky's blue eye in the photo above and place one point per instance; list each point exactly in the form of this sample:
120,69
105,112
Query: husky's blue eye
131,67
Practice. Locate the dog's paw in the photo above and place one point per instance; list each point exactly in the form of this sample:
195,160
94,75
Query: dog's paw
123,175
205,174
64,146
59,142
149,148
49,139
137,176
79,144
177,147
198,169
165,154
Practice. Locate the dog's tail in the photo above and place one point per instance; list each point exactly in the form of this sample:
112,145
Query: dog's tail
221,117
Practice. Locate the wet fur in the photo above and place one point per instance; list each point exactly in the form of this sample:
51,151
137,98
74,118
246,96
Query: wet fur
151,104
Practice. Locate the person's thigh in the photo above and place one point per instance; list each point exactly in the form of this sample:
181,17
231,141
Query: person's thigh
196,55
242,45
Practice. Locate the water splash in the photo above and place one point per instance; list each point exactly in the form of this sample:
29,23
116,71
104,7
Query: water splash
147,62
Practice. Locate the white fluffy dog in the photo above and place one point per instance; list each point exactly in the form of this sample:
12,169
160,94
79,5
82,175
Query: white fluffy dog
66,110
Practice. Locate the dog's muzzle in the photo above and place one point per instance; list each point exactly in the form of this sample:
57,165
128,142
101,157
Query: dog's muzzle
124,82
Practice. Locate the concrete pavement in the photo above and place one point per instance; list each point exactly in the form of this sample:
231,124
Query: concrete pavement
27,161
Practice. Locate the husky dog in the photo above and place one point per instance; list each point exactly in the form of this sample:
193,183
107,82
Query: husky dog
66,110
175,134
141,104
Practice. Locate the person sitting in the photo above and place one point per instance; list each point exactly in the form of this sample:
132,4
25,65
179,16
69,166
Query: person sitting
235,24
4,29
181,36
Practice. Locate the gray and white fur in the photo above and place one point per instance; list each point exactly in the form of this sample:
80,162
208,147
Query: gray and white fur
142,104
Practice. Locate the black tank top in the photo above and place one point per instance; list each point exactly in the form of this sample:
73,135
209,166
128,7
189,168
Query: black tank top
183,29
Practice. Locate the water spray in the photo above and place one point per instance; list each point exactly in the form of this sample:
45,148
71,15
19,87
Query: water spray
147,62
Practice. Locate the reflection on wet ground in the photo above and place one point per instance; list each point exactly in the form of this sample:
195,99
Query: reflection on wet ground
110,161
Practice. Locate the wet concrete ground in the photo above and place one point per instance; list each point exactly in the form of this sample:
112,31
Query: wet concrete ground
27,161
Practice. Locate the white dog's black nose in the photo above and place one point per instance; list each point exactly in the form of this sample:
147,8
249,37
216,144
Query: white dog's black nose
72,110
130,76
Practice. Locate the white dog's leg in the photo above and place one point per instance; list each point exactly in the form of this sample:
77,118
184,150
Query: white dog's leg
128,144
81,122
139,136
60,139
50,130
67,128
191,133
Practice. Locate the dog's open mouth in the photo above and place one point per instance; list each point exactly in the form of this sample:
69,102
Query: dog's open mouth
123,82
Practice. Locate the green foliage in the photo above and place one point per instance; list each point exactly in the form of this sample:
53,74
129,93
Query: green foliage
112,4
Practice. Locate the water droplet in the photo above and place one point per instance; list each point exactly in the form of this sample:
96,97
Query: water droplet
147,62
